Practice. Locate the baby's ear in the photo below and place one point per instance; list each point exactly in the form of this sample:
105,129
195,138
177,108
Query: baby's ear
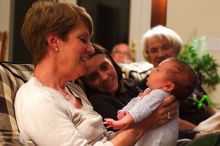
168,86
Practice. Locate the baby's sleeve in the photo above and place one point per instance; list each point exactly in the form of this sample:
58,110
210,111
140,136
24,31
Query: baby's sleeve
147,104
131,103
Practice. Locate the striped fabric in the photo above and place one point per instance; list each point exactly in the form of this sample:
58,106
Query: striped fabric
12,76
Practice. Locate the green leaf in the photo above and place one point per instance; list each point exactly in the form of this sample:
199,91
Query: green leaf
195,55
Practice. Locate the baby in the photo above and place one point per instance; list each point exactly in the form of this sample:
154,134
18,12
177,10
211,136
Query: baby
172,76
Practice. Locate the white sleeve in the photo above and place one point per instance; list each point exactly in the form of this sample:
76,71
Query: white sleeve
131,103
150,102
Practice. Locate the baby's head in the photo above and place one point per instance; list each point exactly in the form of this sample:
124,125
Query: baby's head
173,76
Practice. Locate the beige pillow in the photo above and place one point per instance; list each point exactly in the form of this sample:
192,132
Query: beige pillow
212,123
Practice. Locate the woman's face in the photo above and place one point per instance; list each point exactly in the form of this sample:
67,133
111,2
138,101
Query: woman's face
73,52
159,50
101,74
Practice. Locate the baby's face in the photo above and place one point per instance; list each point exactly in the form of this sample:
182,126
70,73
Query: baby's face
159,75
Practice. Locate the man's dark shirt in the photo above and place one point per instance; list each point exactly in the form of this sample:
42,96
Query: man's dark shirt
107,105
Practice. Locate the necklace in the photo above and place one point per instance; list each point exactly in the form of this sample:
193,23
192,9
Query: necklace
68,94
63,91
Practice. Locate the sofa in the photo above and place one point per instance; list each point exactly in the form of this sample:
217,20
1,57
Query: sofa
12,76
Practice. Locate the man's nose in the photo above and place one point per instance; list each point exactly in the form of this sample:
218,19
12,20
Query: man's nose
103,75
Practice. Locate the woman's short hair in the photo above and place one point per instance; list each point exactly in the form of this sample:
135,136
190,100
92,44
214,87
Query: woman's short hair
45,17
163,33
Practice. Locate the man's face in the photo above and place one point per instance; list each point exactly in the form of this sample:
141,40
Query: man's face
101,74
121,54
159,50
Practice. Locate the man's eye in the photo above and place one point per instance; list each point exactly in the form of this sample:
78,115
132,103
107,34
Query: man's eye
92,77
104,66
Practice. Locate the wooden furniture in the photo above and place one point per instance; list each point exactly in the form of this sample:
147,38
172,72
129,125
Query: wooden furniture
158,12
3,48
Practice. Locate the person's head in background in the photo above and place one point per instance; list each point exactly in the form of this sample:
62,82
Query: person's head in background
173,76
160,43
102,72
121,53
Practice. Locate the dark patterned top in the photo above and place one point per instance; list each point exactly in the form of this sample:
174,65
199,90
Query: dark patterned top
107,105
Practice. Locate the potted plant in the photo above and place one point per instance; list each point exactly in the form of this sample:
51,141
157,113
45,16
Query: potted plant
203,63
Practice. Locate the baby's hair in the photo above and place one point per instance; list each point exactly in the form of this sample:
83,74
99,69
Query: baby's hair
184,78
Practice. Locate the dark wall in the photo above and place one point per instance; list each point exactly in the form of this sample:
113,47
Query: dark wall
111,24
20,53
111,20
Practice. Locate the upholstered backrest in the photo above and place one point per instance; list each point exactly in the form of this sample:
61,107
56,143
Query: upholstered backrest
12,76
136,70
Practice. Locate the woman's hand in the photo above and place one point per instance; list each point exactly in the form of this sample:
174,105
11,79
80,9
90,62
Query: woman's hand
183,124
204,132
163,114
145,92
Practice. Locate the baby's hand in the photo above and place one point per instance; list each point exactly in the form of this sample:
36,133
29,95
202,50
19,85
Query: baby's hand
121,114
110,123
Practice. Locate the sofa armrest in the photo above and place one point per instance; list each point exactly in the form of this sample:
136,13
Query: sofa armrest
9,138
12,76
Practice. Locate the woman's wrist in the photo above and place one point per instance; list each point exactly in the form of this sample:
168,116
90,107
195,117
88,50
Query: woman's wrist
129,135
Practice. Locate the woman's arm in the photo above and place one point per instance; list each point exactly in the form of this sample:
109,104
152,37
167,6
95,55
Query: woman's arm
131,134
186,124
211,109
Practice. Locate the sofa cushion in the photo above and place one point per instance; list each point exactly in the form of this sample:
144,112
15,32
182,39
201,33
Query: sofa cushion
12,76
9,138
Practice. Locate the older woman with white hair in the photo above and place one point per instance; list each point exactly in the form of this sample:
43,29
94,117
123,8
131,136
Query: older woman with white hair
160,43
